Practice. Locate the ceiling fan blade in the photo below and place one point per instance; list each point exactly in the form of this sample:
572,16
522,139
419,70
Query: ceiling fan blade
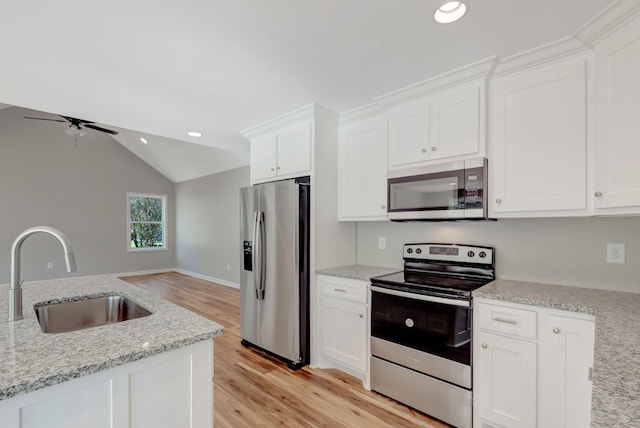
97,128
75,120
42,118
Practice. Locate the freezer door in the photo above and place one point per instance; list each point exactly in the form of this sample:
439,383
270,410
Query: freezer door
280,311
249,304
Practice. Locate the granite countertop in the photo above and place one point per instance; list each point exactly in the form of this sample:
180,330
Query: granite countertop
361,272
616,384
31,359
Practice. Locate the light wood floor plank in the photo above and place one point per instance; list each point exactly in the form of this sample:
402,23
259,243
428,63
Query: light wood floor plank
255,390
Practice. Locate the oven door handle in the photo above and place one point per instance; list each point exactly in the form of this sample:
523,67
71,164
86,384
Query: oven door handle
423,297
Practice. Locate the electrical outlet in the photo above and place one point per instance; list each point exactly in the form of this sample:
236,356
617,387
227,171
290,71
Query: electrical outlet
615,253
49,265
382,243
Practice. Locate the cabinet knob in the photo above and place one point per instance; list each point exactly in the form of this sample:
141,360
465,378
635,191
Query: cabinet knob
278,167
433,149
382,207
598,194
498,201
484,346
556,330
273,169
424,150
361,315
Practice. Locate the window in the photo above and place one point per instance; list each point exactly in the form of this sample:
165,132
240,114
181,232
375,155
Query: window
146,226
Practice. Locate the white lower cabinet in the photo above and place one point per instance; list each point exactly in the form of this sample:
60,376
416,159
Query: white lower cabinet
343,328
531,366
172,389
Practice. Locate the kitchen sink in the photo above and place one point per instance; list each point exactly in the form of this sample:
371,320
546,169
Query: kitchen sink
87,312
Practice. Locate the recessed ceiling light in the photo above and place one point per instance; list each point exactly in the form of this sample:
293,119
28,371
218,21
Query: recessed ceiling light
194,134
144,140
450,12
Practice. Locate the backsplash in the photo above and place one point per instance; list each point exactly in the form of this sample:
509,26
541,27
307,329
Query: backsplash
565,251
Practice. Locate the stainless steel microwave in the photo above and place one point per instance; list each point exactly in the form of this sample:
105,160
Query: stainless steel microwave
449,191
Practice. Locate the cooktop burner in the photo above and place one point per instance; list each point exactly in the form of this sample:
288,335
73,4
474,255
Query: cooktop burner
442,269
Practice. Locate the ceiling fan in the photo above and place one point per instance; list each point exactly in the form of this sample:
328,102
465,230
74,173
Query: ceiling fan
76,126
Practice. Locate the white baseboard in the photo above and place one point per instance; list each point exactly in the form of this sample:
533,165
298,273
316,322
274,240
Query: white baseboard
143,272
207,278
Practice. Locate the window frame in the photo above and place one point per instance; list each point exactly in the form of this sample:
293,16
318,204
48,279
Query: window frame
163,198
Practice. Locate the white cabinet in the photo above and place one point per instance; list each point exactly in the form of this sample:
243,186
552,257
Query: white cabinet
284,154
506,380
343,329
362,170
538,134
172,389
443,125
617,100
532,366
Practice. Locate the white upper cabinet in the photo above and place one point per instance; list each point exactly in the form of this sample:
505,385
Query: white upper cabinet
539,147
362,170
617,126
443,125
281,154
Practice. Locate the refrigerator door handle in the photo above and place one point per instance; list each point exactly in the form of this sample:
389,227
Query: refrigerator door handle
258,254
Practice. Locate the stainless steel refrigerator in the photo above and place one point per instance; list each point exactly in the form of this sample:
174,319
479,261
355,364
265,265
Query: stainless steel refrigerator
274,274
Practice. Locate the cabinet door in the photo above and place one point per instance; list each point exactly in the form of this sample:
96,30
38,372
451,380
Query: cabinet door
505,385
617,100
294,150
263,157
409,133
538,135
566,359
343,332
362,171
455,123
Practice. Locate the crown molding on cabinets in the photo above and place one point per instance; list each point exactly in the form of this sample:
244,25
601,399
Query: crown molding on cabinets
280,122
539,56
607,21
360,113
468,73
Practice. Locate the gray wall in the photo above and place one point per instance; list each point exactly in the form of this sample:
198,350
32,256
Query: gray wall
45,180
558,251
207,225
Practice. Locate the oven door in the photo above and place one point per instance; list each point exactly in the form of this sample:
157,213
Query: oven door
435,325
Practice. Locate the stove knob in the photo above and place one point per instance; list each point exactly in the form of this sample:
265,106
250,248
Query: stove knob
471,254
418,251
482,254
409,250
409,322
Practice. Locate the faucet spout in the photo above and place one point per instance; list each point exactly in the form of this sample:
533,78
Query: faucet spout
15,292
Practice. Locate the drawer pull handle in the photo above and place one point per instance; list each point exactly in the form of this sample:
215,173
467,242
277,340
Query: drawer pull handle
340,290
505,320
556,330
484,346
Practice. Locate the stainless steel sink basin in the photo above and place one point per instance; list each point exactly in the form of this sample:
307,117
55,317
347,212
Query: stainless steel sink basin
62,317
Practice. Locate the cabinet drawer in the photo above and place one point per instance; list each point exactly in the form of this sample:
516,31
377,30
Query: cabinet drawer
344,288
503,319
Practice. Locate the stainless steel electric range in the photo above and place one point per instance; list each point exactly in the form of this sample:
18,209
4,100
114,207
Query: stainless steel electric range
421,328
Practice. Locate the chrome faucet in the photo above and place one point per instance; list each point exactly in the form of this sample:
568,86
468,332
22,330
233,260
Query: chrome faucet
15,292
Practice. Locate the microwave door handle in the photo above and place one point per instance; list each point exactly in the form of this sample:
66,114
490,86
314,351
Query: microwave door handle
423,297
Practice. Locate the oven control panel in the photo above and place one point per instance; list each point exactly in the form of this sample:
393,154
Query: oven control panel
449,252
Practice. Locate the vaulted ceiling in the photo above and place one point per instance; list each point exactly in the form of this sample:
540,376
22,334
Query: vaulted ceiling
217,66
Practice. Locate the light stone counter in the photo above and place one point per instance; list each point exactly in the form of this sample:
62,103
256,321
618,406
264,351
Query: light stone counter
616,377
361,272
31,359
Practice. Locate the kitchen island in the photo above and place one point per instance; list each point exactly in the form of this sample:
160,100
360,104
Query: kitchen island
151,371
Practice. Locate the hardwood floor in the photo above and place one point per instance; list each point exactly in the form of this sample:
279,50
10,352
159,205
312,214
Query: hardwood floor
254,390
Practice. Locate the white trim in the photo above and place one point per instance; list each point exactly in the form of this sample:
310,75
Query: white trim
164,222
208,278
609,20
307,112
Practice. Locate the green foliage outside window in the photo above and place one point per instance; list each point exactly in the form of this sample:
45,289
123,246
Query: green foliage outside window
146,221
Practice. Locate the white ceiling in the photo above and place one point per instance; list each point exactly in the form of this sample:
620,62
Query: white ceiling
164,67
